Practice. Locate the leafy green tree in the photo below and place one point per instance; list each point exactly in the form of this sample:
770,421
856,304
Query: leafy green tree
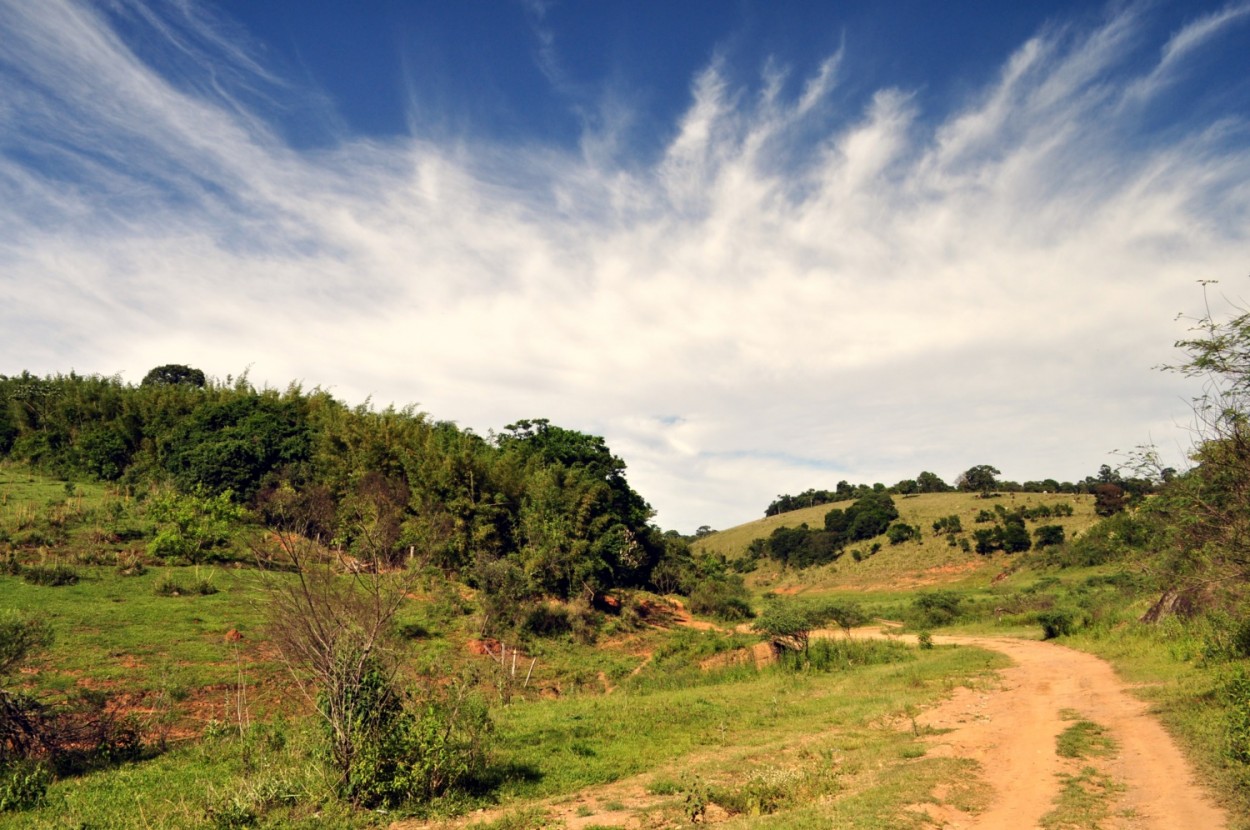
1015,537
234,443
987,539
978,479
787,624
1048,536
928,482
174,374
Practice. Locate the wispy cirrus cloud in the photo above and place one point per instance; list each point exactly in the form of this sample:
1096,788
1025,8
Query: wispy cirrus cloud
790,294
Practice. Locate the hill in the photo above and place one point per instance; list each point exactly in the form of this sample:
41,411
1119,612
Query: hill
929,559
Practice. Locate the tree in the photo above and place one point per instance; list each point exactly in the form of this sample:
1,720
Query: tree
174,374
978,479
1048,535
928,482
787,624
1109,499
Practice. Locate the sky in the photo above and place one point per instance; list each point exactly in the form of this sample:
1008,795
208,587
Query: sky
758,246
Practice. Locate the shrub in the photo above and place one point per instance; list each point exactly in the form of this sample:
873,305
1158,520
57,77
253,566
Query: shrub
167,586
413,749
937,608
23,785
723,597
547,621
900,532
1048,535
1235,691
52,575
1056,623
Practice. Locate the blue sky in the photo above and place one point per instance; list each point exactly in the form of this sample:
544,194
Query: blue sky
759,247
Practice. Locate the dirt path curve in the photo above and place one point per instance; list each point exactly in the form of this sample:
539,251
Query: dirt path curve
1011,731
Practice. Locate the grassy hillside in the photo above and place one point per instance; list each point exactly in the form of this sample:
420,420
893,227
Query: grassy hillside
927,561
628,715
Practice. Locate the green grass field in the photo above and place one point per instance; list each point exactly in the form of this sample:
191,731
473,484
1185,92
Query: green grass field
658,724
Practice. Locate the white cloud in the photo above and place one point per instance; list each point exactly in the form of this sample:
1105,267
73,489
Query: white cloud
990,288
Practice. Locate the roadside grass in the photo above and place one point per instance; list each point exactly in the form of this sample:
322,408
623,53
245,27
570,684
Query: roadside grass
720,731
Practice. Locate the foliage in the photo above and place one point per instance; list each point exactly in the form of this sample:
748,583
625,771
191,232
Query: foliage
1048,535
412,748
1057,622
189,526
1235,692
23,785
721,595
980,478
51,575
172,374
936,608
901,532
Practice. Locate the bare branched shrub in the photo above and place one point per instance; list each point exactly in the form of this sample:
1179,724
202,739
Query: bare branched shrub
329,614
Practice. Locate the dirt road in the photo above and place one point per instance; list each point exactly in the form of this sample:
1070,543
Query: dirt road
1009,727
1011,732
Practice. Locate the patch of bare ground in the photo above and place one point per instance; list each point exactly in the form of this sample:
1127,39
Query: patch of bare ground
1011,729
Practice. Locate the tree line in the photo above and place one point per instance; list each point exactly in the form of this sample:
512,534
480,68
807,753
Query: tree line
1108,483
536,510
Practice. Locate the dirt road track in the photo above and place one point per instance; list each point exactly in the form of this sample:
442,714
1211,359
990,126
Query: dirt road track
1010,726
1011,732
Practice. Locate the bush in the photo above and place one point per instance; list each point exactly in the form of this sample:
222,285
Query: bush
900,532
1048,535
411,749
53,575
23,785
937,608
1235,691
1056,623
547,621
723,597
167,586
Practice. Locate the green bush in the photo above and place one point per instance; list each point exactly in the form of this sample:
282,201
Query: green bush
23,785
724,597
1056,623
935,608
1235,691
53,575
547,621
412,748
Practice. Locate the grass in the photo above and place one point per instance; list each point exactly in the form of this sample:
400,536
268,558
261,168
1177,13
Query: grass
781,748
1083,739
1084,801
929,561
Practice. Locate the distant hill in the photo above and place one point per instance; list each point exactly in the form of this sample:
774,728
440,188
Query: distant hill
930,558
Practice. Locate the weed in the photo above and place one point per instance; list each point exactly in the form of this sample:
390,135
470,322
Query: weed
1084,800
1084,739
50,575
664,786
23,785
